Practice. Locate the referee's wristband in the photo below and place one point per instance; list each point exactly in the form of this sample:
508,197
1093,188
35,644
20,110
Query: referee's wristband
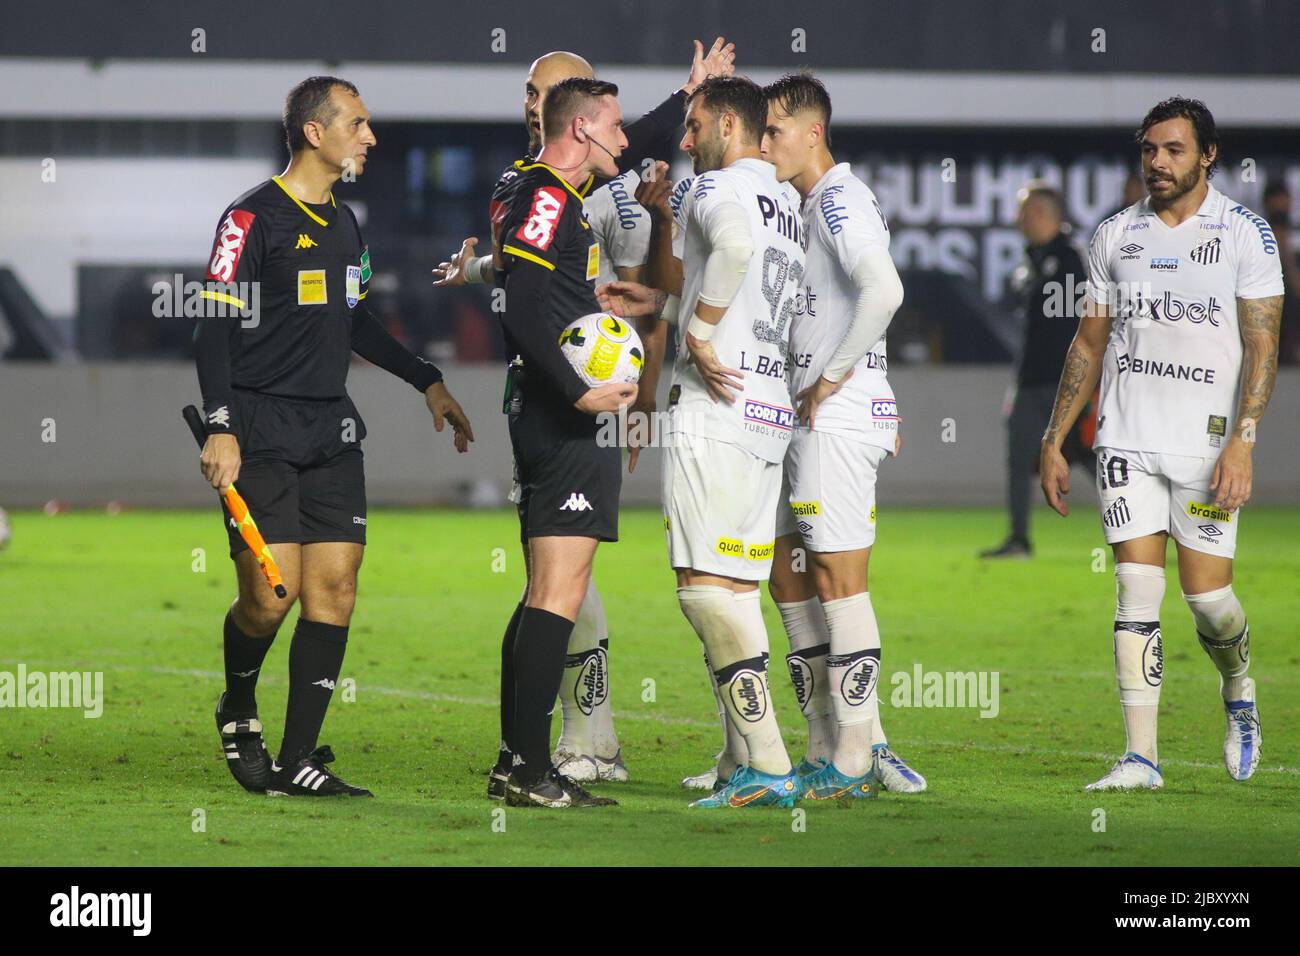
700,329
476,269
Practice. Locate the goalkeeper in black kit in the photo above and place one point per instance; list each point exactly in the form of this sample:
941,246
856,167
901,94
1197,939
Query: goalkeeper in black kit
286,289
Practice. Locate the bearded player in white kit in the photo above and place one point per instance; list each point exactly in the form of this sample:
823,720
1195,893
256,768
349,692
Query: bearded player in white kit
730,413
848,424
1183,312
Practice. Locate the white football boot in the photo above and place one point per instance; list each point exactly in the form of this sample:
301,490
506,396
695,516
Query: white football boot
611,770
1242,743
704,781
894,775
1131,772
581,768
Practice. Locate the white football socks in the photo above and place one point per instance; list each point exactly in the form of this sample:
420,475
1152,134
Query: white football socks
805,625
731,628
853,669
1139,652
1224,634
584,690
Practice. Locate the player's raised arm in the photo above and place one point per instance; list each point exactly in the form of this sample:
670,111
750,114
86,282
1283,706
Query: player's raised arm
1260,322
663,270
1079,380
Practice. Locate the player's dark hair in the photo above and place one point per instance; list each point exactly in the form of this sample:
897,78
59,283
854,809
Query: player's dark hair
309,102
735,94
1196,113
796,92
569,98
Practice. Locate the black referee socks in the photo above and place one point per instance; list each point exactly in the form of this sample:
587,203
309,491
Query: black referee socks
508,688
244,656
315,659
541,646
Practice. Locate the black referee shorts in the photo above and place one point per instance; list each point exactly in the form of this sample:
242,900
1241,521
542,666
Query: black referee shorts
302,472
569,485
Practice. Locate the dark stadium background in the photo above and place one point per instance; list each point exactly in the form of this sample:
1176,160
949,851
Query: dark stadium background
137,122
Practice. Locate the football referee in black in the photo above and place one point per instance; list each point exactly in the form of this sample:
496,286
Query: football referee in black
569,484
292,260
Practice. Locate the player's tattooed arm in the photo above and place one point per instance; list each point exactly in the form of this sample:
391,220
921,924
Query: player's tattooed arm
1260,322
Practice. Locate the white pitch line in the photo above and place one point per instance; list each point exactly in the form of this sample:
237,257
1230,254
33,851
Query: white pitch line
689,721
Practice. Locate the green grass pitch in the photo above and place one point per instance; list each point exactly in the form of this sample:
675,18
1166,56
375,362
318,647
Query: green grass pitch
118,594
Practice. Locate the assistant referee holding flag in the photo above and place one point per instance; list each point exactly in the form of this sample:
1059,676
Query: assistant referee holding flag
569,484
279,420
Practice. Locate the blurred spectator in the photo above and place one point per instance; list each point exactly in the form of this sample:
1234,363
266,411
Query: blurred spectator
1135,190
1277,210
1048,285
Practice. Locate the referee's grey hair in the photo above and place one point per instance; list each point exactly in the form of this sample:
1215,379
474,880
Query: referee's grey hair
309,102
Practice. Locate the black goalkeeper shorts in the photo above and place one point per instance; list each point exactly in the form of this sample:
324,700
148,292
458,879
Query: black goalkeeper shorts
568,484
302,471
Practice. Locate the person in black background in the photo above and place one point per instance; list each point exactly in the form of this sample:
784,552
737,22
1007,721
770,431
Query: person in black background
569,484
1048,283
652,135
292,260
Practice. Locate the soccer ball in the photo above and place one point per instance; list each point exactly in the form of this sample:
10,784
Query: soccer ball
603,349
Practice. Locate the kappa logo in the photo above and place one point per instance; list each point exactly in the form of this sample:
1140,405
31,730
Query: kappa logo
231,238
1117,515
323,682
538,229
1209,252
577,501
305,241
220,416
1130,251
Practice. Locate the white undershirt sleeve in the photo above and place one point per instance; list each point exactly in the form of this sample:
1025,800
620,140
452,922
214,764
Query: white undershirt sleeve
880,293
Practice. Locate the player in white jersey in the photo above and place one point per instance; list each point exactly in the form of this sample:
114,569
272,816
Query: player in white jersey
730,413
1184,307
847,425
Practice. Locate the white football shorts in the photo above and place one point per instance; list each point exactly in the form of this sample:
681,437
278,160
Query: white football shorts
829,491
1147,492
719,508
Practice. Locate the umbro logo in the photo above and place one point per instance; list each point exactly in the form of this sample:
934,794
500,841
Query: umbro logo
305,241
323,682
1210,530
1130,251
577,502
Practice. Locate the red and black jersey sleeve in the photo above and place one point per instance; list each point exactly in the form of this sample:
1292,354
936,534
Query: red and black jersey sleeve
543,243
235,263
